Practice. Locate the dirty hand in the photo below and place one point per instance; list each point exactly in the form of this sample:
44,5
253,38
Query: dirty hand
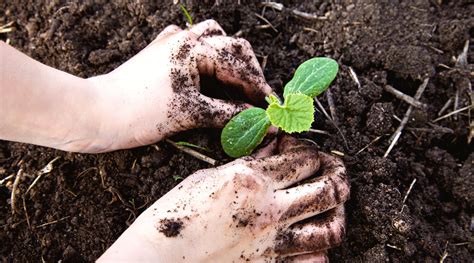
156,93
253,209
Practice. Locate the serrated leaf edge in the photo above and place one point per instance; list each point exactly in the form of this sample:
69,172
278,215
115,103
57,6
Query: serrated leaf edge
284,105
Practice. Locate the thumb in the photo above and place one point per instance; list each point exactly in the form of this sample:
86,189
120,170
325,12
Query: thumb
218,112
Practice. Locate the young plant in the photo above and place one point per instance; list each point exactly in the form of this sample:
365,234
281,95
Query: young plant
186,13
245,131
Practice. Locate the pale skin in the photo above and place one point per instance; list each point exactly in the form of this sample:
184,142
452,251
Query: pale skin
249,209
134,105
257,210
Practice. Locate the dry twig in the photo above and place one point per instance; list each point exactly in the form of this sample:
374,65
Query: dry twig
193,153
310,29
402,96
322,109
461,60
445,253
332,107
6,28
408,192
6,179
297,13
445,106
394,247
471,125
47,169
266,21
453,113
370,143
52,222
319,131
332,121
26,213
396,118
19,174
354,77
336,152
396,135
456,102
264,62
307,16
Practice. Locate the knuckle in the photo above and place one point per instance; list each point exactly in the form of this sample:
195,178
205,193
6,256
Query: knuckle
210,27
238,167
247,181
310,151
341,188
211,22
338,234
172,28
188,35
244,42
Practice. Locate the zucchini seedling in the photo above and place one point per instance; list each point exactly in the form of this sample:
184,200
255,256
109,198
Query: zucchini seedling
245,131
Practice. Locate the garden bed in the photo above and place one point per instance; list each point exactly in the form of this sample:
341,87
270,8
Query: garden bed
78,209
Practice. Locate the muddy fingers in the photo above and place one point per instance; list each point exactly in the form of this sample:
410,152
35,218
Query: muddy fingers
316,257
218,112
168,31
240,212
316,234
323,193
288,168
205,50
233,62
207,28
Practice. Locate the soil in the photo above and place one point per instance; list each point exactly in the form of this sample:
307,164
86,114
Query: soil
78,209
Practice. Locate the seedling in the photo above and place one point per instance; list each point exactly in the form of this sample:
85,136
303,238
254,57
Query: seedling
177,178
186,13
245,131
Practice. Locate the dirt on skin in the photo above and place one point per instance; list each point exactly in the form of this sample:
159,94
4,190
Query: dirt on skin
77,210
170,227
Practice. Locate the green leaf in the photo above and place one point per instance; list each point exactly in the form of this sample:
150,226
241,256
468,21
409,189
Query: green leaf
177,177
244,132
312,77
296,115
186,13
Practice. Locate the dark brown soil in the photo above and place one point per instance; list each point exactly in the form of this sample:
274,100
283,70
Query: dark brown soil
80,208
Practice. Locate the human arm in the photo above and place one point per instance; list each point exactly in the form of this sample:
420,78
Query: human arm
46,106
151,96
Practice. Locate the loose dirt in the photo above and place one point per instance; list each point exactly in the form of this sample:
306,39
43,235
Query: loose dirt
75,212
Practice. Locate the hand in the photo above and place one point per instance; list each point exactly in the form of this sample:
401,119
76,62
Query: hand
252,209
156,93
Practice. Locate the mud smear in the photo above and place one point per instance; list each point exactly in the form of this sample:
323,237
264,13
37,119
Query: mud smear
370,36
170,227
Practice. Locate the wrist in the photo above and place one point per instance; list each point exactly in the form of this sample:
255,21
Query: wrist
84,128
106,114
133,110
